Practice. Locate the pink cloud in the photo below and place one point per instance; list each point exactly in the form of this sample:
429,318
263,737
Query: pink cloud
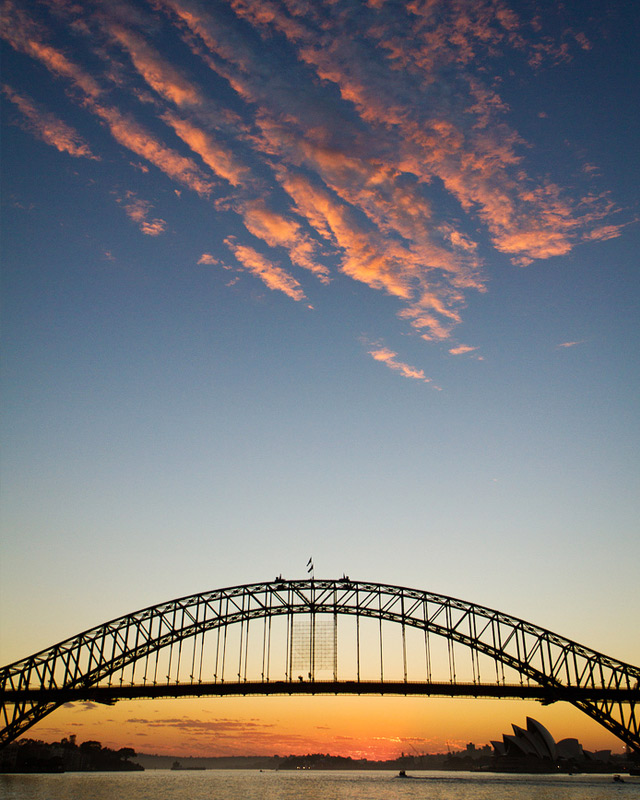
207,258
367,257
582,40
461,349
133,136
603,233
230,47
153,227
525,221
344,161
49,128
476,157
388,357
138,211
278,230
273,276
220,159
159,74
26,36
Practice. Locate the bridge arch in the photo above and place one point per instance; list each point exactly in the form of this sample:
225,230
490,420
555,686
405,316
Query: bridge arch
92,664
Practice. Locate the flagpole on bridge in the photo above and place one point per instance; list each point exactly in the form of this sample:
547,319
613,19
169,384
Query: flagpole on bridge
312,632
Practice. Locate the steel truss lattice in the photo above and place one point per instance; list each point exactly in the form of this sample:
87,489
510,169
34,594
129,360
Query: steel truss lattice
550,667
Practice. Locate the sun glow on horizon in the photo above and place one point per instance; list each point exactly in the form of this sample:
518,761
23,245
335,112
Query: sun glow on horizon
379,728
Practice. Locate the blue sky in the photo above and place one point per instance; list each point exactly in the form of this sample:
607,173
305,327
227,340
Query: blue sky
350,280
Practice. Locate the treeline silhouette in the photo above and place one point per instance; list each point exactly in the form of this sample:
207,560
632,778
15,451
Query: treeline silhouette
33,755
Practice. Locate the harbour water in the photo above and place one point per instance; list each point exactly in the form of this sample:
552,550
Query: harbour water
348,785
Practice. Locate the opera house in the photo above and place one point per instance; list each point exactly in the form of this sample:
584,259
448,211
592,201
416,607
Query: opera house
535,742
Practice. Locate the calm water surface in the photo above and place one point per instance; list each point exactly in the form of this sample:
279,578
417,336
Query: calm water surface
252,785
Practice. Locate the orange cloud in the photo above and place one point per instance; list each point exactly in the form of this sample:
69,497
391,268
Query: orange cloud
138,211
49,128
133,136
198,23
388,357
362,151
153,227
207,258
603,233
461,349
161,76
168,82
379,261
373,188
277,230
430,326
273,276
459,240
25,36
220,159
402,263
526,222
367,256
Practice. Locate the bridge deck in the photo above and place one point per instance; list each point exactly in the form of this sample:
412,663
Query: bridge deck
110,694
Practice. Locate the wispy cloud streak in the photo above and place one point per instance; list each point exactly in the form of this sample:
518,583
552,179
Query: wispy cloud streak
389,357
49,128
273,276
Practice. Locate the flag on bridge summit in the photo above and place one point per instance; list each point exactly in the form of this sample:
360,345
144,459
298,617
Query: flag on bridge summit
310,565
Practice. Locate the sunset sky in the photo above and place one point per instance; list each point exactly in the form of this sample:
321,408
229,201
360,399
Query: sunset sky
350,279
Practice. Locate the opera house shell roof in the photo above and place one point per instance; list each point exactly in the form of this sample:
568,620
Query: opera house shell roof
536,742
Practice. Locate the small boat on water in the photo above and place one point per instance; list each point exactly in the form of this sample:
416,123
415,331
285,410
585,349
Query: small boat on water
403,774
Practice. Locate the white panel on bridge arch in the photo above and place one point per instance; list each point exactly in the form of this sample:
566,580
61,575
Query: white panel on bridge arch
314,647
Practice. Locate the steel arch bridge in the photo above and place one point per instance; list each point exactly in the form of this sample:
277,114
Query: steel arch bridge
265,634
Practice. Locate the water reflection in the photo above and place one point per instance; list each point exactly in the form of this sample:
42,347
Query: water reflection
351,785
